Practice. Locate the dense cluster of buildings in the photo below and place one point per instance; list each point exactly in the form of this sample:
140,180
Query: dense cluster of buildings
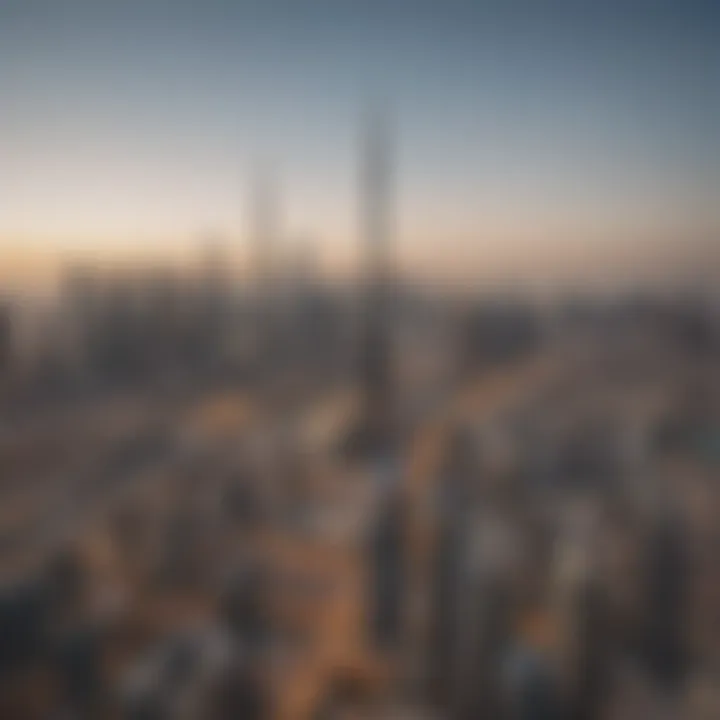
289,505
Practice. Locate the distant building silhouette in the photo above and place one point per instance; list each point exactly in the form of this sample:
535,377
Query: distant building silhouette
666,596
6,340
377,384
582,617
264,235
454,509
482,622
387,560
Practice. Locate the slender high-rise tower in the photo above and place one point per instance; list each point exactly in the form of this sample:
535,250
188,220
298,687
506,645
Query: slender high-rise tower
377,430
263,235
263,229
5,340
376,375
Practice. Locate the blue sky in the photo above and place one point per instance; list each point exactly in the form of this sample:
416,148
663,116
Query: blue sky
144,119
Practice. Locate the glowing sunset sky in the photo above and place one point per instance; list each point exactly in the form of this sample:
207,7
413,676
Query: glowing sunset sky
523,127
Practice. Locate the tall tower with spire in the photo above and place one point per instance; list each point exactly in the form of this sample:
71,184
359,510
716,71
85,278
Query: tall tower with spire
377,387
377,432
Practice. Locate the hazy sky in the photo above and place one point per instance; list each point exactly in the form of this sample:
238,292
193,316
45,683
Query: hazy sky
522,127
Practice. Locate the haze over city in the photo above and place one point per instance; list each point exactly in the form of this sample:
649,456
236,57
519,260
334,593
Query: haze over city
359,360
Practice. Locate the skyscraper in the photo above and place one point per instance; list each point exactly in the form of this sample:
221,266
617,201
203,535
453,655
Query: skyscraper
376,373
263,226
665,590
583,629
453,507
5,340
263,236
376,433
